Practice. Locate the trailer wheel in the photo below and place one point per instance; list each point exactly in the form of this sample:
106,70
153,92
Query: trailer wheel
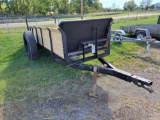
140,35
30,45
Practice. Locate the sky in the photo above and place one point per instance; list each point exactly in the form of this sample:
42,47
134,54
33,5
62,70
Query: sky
120,3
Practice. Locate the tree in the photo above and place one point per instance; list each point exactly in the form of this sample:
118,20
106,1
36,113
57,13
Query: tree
31,7
125,7
97,5
114,6
76,8
148,3
1,4
63,6
130,5
145,4
142,4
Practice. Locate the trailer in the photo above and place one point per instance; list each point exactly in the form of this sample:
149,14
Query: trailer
119,36
70,43
142,30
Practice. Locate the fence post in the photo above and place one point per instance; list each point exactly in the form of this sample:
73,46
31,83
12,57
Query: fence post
127,20
58,19
7,23
35,20
137,15
148,48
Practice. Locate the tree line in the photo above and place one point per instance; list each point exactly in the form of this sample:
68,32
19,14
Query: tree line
43,7
144,5
130,5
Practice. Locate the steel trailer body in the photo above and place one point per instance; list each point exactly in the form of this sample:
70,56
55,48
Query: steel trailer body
143,29
74,38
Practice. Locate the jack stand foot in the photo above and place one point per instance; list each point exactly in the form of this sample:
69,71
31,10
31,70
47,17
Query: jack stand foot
94,95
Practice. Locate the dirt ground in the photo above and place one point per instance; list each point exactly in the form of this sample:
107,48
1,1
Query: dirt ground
118,100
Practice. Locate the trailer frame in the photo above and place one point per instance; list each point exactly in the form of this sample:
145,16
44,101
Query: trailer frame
107,68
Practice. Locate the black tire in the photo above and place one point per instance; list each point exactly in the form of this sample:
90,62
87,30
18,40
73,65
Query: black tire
39,47
30,45
140,35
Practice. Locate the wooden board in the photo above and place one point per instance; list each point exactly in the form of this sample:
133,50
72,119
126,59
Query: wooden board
39,36
34,33
56,38
46,38
57,42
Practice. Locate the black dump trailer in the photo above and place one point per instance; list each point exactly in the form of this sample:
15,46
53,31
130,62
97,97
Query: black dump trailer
71,42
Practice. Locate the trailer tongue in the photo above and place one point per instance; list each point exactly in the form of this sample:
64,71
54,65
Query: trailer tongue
111,70
73,40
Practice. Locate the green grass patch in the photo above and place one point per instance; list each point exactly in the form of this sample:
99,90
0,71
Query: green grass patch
20,78
123,22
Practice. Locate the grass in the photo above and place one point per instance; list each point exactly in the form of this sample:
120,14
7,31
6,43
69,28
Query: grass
135,13
22,79
123,22
124,52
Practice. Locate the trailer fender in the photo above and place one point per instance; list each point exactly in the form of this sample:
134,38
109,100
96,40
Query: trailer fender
30,45
141,33
118,34
121,32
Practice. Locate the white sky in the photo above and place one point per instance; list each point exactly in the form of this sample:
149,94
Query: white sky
120,3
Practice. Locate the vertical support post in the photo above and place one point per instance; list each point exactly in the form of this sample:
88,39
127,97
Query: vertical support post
41,36
137,14
81,9
58,20
96,43
27,23
128,20
31,29
35,20
95,70
52,54
7,23
37,35
128,15
148,48
55,22
83,52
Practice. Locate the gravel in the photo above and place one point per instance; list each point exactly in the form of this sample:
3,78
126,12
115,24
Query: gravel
117,100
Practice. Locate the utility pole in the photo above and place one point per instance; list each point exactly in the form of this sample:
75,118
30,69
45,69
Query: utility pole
81,9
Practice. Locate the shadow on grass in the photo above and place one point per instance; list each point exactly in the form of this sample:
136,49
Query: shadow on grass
130,53
148,59
43,89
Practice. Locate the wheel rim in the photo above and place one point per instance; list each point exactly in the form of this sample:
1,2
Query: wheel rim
139,36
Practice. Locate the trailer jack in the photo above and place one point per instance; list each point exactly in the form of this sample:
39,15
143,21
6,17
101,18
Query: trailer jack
109,69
